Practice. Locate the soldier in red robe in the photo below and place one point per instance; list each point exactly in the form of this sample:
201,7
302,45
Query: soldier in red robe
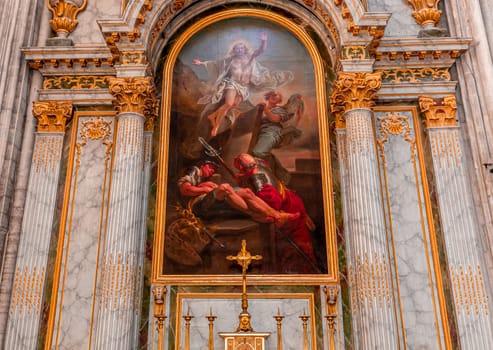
294,237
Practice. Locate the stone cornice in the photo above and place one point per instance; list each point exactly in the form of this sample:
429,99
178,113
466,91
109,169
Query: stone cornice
59,60
393,51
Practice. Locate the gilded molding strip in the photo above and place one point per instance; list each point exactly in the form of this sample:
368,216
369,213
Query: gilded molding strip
415,75
72,82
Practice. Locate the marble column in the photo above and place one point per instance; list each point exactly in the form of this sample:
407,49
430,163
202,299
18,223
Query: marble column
372,302
32,258
459,224
122,245
148,134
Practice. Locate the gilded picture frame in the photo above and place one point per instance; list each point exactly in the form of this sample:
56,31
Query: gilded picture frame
194,234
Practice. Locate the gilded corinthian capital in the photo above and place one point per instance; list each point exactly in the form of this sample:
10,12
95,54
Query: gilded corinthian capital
52,116
426,12
135,95
354,90
439,113
64,14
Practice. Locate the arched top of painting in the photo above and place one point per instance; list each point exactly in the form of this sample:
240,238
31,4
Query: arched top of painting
215,36
292,17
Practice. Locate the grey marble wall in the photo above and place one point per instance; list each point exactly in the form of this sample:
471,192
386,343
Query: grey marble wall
262,310
411,239
85,222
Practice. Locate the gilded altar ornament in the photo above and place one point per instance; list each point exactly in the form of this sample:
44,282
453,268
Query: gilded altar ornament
64,15
439,113
188,319
426,12
244,259
278,319
304,318
211,319
52,116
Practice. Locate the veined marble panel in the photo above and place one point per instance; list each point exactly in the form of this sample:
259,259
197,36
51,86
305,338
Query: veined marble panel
86,210
410,233
262,311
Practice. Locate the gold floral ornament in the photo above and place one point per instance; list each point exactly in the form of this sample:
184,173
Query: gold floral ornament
135,95
52,116
439,112
353,90
426,12
64,15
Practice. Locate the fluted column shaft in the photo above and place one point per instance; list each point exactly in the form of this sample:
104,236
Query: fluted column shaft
32,258
148,133
459,224
368,261
120,260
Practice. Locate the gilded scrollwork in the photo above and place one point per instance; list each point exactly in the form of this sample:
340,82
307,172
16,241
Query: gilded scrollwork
439,113
415,75
136,95
395,124
76,82
132,57
354,53
52,115
64,15
354,90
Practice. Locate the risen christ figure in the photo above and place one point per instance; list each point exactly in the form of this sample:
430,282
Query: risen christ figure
234,76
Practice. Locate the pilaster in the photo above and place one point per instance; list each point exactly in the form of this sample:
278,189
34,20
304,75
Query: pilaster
368,260
122,244
32,258
459,224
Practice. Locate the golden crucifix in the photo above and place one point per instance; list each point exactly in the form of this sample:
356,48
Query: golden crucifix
244,258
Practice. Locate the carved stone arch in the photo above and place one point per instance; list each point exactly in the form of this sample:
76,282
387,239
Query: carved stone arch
315,18
146,25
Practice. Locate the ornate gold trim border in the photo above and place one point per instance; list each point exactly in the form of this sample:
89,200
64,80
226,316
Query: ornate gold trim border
98,131
331,276
430,241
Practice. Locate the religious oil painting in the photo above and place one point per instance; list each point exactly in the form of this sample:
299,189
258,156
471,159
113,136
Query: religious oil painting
244,151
